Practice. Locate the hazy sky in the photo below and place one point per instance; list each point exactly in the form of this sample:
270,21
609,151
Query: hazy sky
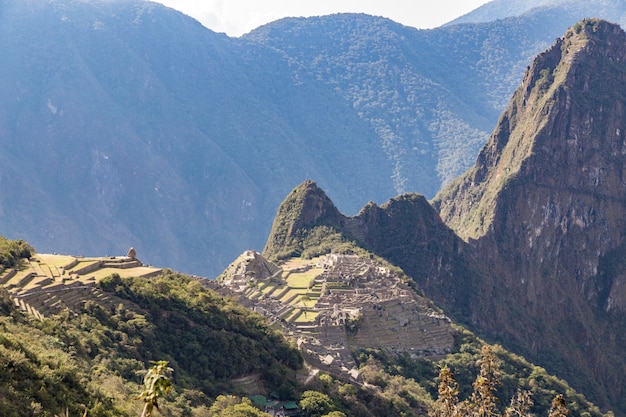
236,17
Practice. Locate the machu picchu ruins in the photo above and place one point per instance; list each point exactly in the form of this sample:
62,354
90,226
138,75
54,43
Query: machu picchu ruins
330,305
336,304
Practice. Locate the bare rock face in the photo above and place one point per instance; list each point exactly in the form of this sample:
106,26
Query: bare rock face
250,265
545,211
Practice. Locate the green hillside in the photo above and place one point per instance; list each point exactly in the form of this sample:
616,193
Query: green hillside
89,356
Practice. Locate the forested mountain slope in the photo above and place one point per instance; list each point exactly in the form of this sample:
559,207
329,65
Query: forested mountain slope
543,208
501,9
135,123
89,356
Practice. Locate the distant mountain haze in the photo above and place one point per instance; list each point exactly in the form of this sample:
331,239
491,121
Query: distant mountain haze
124,123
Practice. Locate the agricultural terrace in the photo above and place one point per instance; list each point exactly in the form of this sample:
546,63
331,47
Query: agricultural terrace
46,283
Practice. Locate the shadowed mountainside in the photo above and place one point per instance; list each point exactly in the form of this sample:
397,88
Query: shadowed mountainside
131,122
544,209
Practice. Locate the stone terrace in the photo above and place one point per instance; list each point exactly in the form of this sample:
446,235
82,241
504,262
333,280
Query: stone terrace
46,284
339,303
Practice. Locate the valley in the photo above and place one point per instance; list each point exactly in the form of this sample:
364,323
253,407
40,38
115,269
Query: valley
133,123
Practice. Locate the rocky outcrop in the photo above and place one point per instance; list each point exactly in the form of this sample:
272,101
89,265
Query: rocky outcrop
250,265
541,266
544,209
538,261
306,207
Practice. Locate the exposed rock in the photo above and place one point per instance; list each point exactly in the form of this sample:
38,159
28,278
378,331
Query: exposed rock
545,210
542,265
250,265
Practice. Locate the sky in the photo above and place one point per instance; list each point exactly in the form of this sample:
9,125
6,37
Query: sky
236,17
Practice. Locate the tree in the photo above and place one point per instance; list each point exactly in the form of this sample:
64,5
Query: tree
156,385
520,405
315,404
232,406
303,300
483,402
559,407
448,400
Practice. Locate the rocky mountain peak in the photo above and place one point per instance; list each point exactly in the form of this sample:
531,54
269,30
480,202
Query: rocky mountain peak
544,207
569,107
306,207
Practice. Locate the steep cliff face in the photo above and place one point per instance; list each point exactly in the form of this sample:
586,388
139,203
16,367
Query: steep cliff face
408,232
540,264
545,210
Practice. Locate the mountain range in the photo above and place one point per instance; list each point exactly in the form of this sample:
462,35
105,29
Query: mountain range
137,140
528,246
134,122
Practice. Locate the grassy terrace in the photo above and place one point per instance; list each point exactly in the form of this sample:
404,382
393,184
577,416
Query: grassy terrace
54,261
292,295
306,317
303,279
82,263
124,273
46,277
268,289
295,288
303,302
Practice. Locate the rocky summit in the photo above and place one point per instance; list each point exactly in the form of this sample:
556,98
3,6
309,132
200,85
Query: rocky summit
544,210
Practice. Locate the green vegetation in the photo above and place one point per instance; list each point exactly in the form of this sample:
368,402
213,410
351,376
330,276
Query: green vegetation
307,224
232,406
206,338
483,401
315,404
91,360
501,375
157,385
11,251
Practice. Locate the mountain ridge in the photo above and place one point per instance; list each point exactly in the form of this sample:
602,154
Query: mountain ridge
545,223
133,121
541,266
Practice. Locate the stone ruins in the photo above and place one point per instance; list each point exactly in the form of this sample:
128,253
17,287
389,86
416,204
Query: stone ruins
346,303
